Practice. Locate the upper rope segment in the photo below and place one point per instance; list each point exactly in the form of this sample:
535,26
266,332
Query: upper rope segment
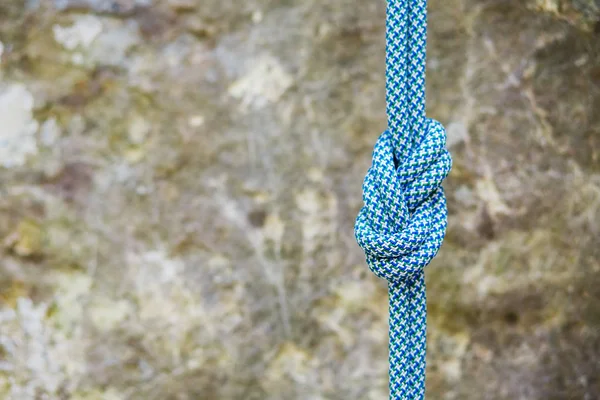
403,221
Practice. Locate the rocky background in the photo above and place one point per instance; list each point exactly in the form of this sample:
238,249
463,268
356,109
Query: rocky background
179,181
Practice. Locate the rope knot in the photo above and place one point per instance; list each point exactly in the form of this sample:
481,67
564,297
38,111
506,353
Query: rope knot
403,221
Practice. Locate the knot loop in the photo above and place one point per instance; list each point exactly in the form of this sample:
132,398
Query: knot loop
403,221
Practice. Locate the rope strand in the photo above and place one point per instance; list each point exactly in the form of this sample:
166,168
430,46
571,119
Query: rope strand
403,221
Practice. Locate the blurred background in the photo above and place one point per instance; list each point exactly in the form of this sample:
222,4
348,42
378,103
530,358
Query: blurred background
179,181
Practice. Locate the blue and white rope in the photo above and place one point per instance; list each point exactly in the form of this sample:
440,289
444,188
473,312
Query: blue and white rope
403,221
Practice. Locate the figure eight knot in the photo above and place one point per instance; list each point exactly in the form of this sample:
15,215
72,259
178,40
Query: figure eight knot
403,221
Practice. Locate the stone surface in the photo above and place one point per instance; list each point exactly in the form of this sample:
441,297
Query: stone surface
180,180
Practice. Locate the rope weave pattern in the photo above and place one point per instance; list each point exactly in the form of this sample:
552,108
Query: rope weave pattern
403,221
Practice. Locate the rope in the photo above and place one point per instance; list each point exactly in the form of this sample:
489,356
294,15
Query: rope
403,221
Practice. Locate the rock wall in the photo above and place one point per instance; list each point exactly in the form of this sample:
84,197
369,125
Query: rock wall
180,180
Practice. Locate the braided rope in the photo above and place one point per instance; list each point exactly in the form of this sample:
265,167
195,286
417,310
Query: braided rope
403,221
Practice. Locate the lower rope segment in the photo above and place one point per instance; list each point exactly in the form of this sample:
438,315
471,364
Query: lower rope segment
408,331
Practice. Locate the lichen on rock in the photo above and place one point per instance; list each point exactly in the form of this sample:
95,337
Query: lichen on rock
19,128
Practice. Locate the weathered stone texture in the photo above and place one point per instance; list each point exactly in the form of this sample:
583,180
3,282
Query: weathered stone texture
180,178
